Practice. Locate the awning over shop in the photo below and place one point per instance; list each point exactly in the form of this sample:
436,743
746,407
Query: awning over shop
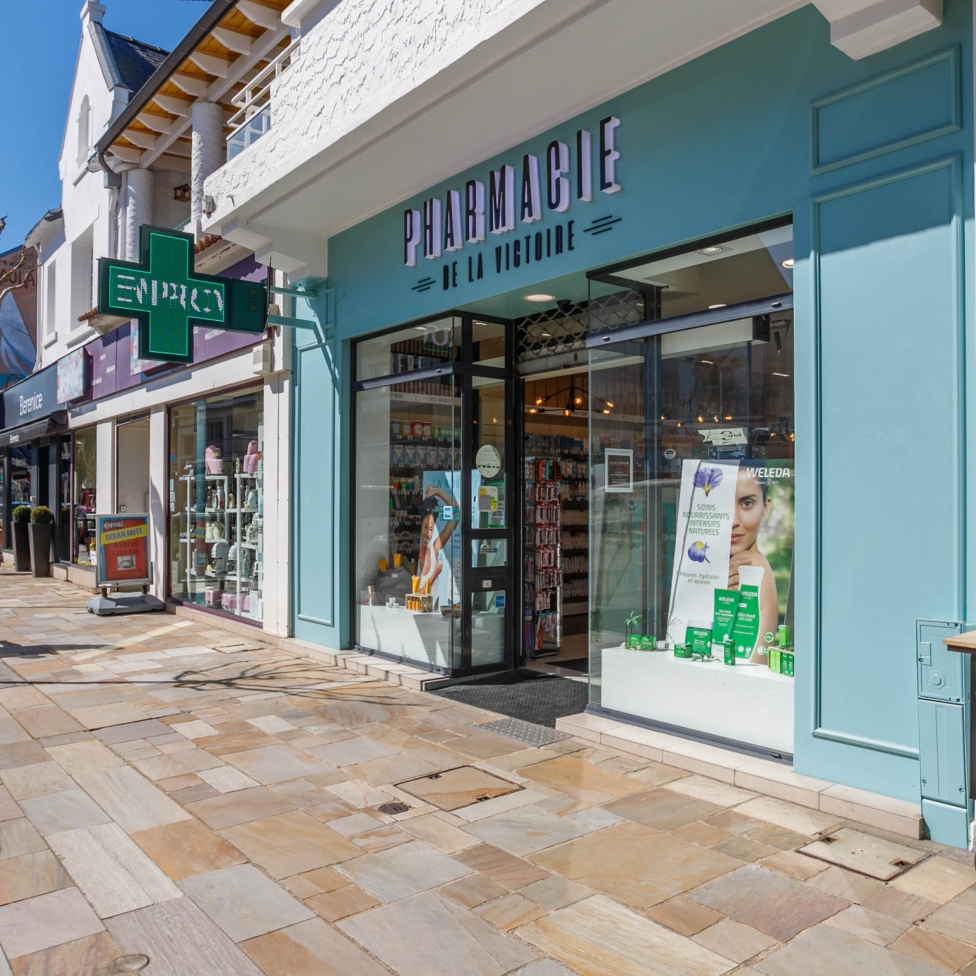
25,433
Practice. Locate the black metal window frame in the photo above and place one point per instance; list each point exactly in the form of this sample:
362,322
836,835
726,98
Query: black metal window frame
463,369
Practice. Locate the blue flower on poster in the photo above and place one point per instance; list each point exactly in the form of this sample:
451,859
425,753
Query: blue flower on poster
708,478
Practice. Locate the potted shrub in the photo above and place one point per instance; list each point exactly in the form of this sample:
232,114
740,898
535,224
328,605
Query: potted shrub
41,535
21,519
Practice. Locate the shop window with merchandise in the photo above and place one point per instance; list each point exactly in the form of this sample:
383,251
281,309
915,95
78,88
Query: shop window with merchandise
85,470
692,516
216,504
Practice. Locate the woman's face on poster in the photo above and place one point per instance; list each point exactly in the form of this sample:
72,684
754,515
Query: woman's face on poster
426,531
750,509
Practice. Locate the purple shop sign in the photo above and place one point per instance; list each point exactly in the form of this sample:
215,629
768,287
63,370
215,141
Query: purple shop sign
116,366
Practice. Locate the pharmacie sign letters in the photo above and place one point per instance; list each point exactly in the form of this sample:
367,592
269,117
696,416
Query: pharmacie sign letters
168,298
513,197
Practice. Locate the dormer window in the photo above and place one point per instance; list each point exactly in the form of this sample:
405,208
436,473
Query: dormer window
84,131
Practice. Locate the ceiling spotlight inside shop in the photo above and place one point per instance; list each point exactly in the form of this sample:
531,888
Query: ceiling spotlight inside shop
494,420
711,249
792,437
719,305
609,403
578,401
539,401
701,419
605,410
784,375
715,419
788,264
707,362
728,416
567,412
540,298
664,416
546,335
533,410
419,328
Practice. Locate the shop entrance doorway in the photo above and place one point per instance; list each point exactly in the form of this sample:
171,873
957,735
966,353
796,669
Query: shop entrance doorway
132,465
555,491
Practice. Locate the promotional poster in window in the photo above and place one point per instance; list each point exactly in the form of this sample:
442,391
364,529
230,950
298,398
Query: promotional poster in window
733,553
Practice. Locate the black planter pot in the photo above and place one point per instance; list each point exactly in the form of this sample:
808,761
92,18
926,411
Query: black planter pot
41,535
22,556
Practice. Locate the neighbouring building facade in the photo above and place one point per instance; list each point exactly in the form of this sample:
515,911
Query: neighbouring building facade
640,342
97,429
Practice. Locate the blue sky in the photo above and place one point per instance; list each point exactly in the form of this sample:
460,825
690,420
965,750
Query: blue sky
38,47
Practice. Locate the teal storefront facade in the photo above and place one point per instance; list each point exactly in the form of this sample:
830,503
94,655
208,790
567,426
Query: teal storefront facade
871,165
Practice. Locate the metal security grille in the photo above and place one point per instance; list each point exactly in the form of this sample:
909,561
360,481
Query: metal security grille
556,332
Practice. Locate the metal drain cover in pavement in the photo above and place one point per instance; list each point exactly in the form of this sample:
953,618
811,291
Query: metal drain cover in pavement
528,733
865,854
456,788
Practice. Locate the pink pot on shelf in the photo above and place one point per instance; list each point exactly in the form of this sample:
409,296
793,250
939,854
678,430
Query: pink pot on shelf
251,458
215,463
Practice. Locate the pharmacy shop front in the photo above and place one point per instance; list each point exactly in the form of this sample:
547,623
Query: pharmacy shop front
671,395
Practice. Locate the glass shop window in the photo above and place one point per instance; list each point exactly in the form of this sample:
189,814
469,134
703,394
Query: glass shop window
216,504
85,473
692,516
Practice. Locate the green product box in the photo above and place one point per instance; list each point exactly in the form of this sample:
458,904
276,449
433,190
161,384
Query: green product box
682,650
633,642
726,606
698,635
775,660
787,657
648,642
783,635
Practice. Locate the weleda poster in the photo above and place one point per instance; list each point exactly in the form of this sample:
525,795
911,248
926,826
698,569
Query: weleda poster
735,527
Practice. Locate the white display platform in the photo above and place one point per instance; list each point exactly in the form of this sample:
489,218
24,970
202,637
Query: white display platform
746,703
417,636
426,637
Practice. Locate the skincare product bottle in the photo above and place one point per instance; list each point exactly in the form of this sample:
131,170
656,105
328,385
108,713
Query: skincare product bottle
745,630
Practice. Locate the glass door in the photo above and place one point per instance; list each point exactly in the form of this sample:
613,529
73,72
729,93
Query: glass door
432,524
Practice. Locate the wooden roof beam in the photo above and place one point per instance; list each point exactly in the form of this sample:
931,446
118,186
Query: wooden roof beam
173,105
144,140
258,14
211,64
155,122
196,87
232,40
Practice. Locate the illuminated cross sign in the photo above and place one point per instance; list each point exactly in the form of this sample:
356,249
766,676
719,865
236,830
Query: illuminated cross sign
169,298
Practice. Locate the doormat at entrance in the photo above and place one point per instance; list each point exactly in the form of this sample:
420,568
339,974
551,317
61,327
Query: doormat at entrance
522,694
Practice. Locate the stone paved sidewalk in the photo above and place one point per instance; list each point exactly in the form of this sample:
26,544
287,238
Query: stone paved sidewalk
172,791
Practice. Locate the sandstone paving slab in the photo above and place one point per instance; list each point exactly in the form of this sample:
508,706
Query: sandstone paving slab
115,875
180,940
509,911
239,807
505,869
310,948
352,752
794,865
63,811
578,937
358,794
555,892
99,716
873,894
45,921
9,810
939,879
733,940
635,864
471,891
864,853
433,830
276,763
768,901
682,915
868,924
81,956
136,730
185,849
243,902
25,782
19,837
130,800
21,754
934,949
226,779
957,918
827,951
341,903
526,830
176,763
581,780
710,790
290,843
800,819
30,875
402,935
403,871
84,756
42,721
662,808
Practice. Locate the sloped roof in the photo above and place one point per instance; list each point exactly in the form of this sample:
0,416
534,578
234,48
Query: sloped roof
136,62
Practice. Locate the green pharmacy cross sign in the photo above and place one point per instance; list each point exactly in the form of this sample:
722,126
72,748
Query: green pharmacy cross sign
168,298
